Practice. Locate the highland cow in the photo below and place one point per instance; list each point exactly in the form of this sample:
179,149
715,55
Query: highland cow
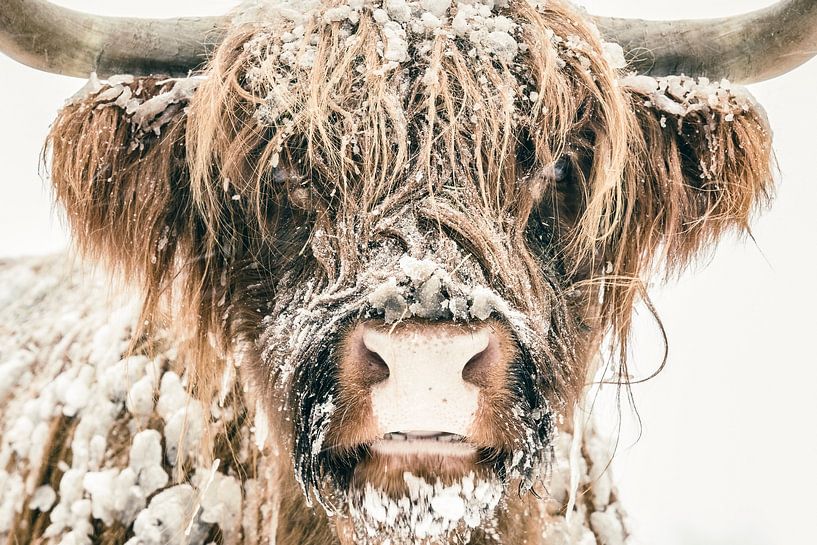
376,248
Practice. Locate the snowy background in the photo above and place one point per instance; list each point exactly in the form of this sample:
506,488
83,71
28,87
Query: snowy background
728,449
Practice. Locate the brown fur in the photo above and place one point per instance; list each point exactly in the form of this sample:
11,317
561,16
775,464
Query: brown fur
637,198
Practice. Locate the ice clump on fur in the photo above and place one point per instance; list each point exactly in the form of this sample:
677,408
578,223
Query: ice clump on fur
681,95
147,116
425,289
162,523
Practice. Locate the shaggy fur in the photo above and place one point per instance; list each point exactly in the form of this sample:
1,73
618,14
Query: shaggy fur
274,189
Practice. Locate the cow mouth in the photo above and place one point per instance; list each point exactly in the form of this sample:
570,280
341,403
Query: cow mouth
406,443
441,436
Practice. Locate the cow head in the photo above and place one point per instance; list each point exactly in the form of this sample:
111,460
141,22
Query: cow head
412,224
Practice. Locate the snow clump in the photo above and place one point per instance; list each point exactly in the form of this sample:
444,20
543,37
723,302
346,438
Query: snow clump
147,115
423,288
680,96
430,511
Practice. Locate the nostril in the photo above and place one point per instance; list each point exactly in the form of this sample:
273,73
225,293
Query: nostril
373,367
477,368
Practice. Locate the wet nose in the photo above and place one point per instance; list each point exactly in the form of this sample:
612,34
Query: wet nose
426,379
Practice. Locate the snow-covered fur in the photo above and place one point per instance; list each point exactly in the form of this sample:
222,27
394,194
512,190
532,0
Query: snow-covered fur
346,161
101,443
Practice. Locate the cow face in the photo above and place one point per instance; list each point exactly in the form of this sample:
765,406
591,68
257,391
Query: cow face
412,233
418,366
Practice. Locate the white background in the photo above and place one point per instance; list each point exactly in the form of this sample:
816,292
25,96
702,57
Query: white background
729,444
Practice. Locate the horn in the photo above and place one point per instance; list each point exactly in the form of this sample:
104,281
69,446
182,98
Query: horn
63,41
749,48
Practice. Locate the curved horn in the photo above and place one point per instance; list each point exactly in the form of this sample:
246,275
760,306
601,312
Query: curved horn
64,41
746,48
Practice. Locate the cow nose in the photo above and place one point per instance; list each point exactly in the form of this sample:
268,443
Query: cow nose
426,378
373,368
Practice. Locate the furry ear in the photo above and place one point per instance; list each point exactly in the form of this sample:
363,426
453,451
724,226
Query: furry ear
118,167
700,164
703,165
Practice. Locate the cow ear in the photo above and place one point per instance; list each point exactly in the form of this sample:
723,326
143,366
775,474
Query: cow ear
702,166
118,166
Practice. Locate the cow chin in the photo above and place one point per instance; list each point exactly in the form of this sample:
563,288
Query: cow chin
420,494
